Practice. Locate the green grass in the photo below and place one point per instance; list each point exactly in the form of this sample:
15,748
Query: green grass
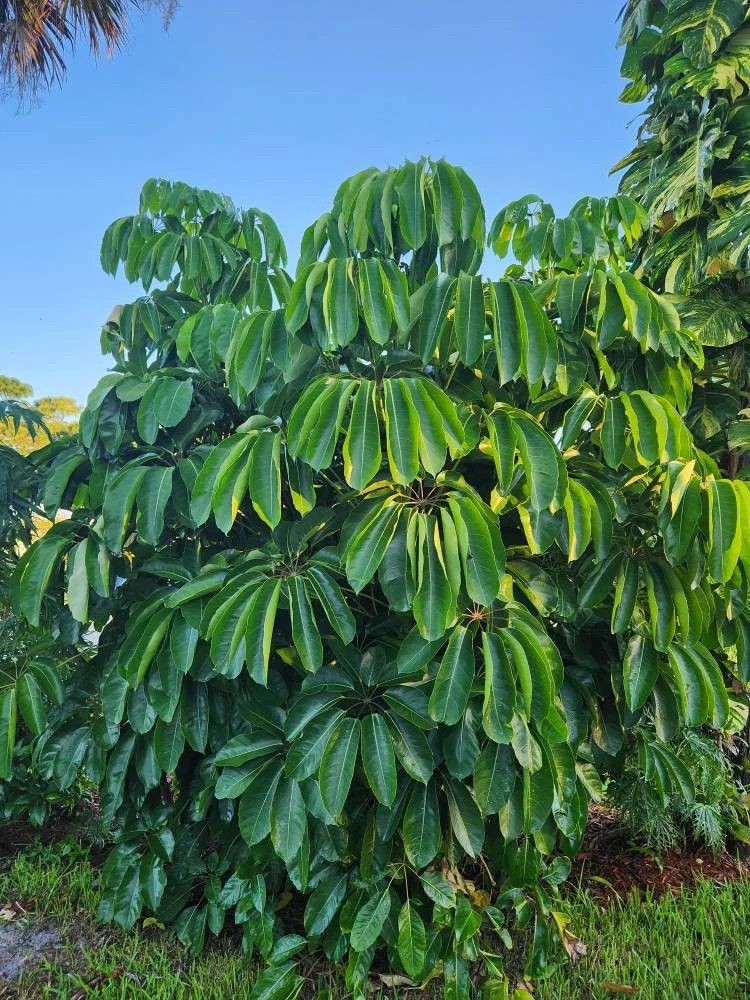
694,946
60,884
690,947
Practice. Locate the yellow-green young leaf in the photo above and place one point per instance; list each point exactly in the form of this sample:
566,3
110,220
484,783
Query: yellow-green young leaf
8,710
682,515
146,420
545,470
450,694
305,635
679,598
362,453
301,487
337,764
32,575
411,943
437,302
319,437
725,538
261,618
470,319
640,670
142,643
511,333
297,308
402,431
340,304
264,477
412,216
376,306
434,605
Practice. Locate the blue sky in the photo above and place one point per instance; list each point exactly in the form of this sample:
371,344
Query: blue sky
275,104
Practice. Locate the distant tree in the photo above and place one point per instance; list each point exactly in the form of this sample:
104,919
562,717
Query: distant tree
25,424
36,36
14,388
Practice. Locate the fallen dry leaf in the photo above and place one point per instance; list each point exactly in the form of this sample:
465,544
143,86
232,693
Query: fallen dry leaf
618,987
11,911
394,981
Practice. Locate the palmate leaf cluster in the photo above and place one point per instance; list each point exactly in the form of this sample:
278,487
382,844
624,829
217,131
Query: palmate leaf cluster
386,559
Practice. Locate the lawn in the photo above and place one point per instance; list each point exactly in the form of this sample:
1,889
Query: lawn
685,947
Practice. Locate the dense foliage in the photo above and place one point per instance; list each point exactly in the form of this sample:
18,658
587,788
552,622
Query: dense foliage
689,169
390,564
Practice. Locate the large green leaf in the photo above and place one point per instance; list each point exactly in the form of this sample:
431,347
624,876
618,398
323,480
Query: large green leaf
455,675
337,764
378,758
254,813
421,826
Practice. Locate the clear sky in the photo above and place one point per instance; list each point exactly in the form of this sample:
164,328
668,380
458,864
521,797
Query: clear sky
275,103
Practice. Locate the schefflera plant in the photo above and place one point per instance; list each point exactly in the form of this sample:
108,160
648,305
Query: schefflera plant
385,558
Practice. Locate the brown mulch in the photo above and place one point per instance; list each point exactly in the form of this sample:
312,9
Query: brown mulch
17,835
611,866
